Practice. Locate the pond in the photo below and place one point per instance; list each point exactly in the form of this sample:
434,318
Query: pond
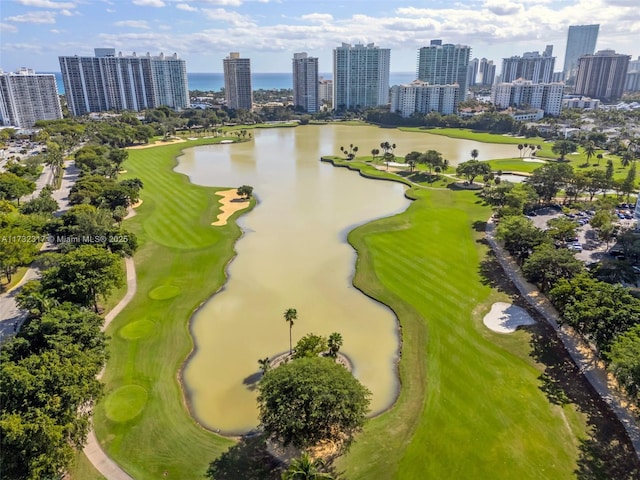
294,254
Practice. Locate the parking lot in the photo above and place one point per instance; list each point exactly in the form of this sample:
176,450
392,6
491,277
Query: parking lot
591,248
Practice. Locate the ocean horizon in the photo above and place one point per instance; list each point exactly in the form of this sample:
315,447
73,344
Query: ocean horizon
261,81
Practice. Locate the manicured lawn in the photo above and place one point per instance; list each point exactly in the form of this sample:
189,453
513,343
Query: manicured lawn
471,403
468,408
473,135
82,469
179,264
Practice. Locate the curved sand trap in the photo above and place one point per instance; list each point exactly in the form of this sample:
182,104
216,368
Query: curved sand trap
231,203
506,318
157,143
534,160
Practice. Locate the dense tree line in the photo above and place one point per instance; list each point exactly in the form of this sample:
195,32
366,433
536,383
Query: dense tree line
593,302
48,371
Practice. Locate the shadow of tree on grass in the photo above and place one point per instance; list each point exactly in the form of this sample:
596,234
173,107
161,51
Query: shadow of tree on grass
247,460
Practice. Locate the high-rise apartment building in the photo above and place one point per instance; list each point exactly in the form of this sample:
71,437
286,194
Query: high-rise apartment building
486,73
117,82
26,97
422,97
325,90
581,40
530,66
305,82
602,75
237,82
446,64
360,76
526,94
472,72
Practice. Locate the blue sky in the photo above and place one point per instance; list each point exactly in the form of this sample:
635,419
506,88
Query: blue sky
33,33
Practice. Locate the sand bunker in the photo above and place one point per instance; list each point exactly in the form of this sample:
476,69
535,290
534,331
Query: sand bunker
534,160
506,318
231,203
157,143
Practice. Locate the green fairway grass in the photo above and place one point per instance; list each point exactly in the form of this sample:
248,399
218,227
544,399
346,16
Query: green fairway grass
471,405
468,408
180,263
466,134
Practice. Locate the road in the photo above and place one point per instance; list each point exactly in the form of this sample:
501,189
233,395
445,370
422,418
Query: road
10,316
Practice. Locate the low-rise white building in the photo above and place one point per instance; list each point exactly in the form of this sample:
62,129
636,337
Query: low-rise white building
526,94
422,97
584,103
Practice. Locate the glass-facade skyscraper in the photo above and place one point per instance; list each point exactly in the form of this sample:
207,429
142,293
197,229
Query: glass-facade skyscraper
360,76
117,82
581,40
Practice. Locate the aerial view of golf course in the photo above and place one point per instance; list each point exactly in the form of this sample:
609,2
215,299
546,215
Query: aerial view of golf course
309,263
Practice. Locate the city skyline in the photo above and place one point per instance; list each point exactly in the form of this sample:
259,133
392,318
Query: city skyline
202,32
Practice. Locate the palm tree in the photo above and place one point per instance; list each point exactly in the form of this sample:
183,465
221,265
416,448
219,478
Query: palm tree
625,158
290,315
265,365
374,153
334,344
520,147
474,153
590,151
388,149
304,468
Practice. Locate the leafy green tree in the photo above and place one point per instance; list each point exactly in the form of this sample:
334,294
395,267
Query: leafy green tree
598,310
596,182
562,229
310,346
334,344
609,171
603,222
433,160
290,315
43,204
520,236
549,179
245,191
629,183
473,168
624,355
412,158
17,248
312,400
84,275
547,264
13,187
306,468
564,147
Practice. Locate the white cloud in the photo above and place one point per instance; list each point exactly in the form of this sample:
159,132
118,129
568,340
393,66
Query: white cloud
34,17
7,27
233,18
227,3
503,7
110,10
46,4
186,7
149,3
318,17
133,24
56,31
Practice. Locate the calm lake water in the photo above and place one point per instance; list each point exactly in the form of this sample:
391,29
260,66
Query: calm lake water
294,254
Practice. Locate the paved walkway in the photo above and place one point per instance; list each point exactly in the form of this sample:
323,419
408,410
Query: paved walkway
92,449
572,342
